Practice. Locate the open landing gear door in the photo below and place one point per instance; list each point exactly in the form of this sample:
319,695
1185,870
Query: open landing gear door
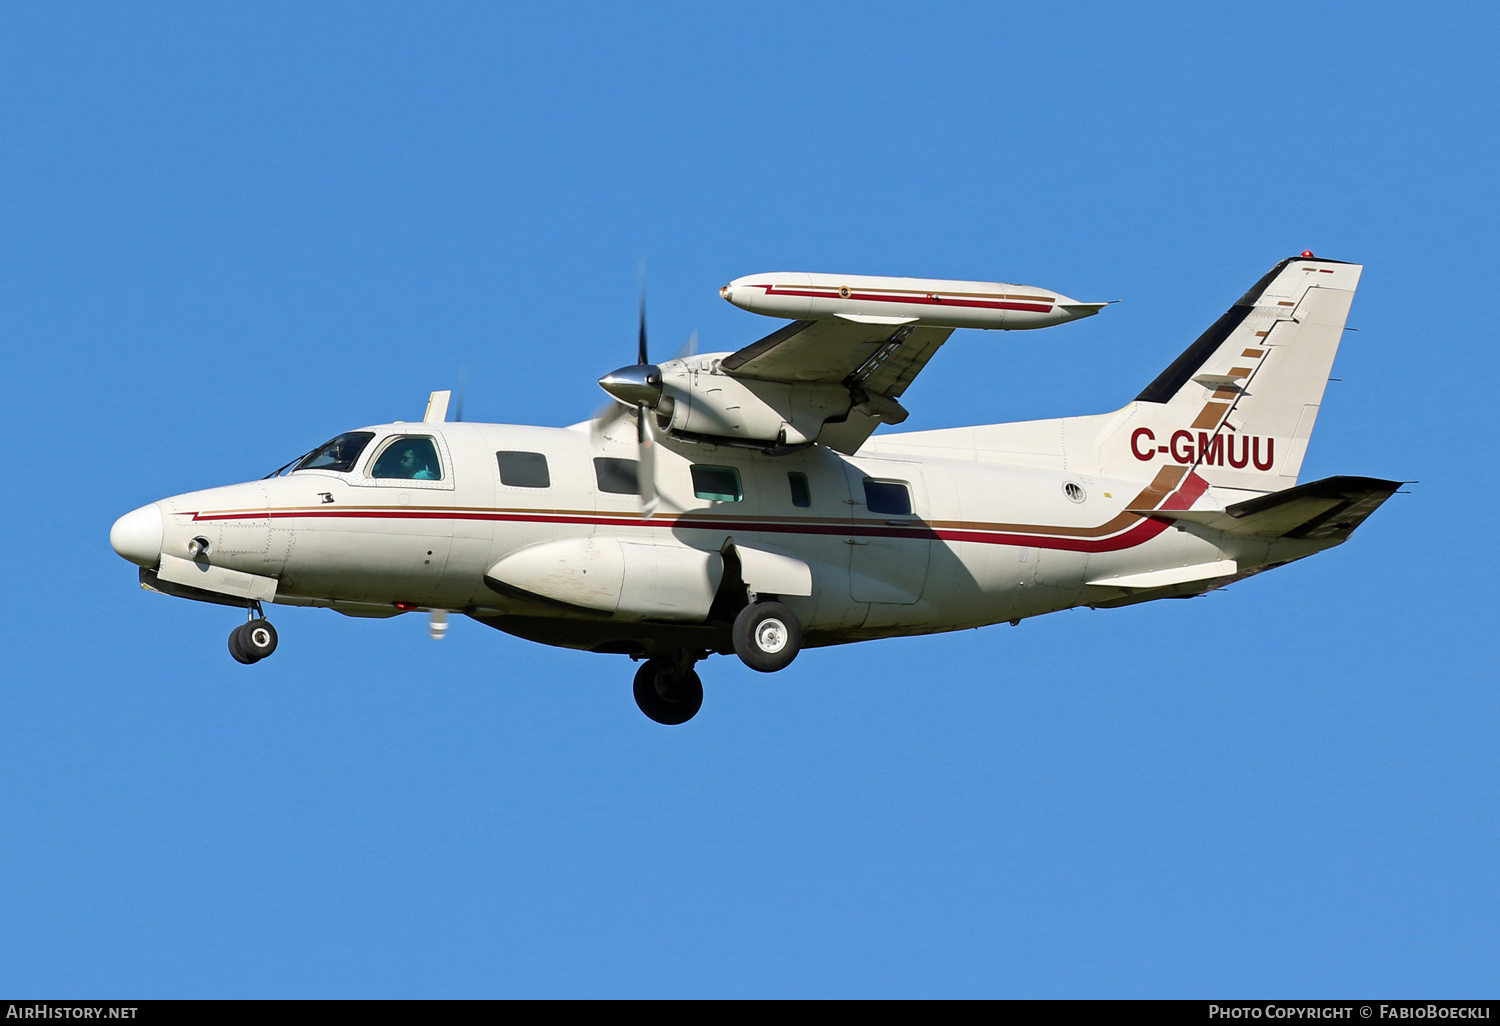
773,573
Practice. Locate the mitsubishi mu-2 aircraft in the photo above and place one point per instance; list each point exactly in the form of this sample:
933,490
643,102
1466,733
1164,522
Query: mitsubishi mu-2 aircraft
740,502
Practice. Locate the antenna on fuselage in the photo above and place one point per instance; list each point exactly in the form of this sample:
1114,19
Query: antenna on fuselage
437,407
437,412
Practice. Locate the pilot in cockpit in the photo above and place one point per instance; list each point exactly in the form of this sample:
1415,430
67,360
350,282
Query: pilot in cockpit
414,467
342,451
409,459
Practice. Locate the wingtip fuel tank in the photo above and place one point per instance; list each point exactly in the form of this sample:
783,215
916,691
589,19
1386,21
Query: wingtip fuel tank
867,299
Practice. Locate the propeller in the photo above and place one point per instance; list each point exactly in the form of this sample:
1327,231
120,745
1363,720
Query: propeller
638,385
645,434
640,354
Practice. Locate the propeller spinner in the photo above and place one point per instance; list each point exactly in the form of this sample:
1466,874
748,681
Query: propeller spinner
636,385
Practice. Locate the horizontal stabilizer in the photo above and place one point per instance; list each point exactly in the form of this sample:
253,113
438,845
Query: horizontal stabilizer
1327,509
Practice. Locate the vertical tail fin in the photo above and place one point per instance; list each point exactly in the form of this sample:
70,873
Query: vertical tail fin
1238,406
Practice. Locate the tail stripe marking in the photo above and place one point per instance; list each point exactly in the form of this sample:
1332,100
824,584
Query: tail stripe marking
1209,418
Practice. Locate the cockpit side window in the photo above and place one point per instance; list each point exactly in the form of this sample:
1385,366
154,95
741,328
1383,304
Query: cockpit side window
409,458
338,454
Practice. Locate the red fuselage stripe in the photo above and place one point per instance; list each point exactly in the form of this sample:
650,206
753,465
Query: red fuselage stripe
1148,528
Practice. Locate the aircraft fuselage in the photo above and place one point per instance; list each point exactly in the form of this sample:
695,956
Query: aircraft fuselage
984,541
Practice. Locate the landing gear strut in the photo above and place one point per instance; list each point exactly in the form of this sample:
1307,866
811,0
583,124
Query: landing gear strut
668,690
252,641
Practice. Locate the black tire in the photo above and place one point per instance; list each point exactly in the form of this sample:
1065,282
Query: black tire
258,638
237,648
663,699
767,636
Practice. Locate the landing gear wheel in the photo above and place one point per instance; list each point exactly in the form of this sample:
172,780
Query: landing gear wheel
258,638
665,699
236,647
251,642
767,636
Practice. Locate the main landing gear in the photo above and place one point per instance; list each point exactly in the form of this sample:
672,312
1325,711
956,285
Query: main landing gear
252,641
767,637
668,690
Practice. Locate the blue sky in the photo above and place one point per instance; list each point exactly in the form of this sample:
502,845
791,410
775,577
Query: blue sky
227,233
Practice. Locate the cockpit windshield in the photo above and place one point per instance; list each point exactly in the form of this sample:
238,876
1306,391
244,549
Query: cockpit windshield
338,454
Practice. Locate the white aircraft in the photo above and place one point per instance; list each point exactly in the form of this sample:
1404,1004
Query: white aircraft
737,502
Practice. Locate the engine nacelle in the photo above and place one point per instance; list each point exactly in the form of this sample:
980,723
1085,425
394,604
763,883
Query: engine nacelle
624,579
699,399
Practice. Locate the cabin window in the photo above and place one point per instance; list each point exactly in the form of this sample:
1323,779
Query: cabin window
523,469
889,497
801,494
409,458
622,477
338,454
717,484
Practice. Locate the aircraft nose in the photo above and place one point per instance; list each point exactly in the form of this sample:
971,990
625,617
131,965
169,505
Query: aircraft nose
137,535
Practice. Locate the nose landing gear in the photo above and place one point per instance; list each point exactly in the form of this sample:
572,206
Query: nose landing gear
252,641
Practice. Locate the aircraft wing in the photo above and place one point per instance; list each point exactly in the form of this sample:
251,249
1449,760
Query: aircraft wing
873,355
873,335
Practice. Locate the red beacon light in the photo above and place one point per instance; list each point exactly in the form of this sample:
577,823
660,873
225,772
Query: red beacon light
1307,254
